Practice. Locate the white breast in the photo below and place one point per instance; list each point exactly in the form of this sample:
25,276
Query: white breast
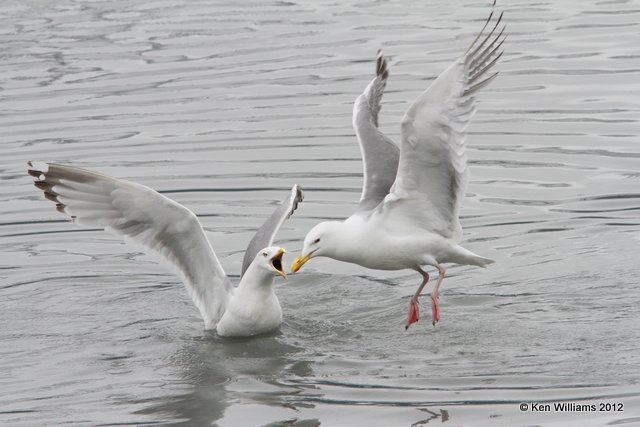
251,314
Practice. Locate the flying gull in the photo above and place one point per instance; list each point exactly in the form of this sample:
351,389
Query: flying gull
407,217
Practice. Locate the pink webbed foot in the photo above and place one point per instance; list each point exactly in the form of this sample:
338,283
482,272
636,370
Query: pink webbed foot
435,309
414,313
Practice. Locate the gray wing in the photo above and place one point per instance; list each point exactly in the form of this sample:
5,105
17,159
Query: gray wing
432,174
379,153
265,234
145,217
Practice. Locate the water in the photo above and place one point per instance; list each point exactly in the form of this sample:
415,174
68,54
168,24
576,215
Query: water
223,106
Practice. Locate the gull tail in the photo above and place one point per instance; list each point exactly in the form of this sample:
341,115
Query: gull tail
481,261
466,257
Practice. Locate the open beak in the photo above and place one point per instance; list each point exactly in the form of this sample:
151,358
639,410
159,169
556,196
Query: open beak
276,261
300,261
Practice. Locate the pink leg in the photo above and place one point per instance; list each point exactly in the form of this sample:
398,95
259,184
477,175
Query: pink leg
435,305
414,314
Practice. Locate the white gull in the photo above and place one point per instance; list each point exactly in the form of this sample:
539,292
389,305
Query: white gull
165,228
407,217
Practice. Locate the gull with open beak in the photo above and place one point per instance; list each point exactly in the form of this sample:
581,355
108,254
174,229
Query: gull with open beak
407,217
167,229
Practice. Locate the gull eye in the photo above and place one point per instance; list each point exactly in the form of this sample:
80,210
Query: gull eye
264,254
316,241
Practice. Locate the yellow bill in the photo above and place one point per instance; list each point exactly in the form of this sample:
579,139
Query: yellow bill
299,262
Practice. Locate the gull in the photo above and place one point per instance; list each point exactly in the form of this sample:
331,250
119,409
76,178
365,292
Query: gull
167,229
407,217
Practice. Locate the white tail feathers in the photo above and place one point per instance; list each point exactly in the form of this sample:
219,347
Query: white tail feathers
466,257
482,261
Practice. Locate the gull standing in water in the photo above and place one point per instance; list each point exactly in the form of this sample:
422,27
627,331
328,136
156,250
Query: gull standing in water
407,217
168,229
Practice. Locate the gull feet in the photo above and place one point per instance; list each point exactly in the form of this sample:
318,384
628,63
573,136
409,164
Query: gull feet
435,309
414,313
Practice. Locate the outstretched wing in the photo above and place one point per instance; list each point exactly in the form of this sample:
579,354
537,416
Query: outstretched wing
379,153
147,218
265,234
432,174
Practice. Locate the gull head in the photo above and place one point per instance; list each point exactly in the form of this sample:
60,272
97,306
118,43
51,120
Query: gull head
319,242
270,259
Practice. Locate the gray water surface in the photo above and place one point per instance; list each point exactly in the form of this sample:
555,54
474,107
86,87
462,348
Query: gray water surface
222,106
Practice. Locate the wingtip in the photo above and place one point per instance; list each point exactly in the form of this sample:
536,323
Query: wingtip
299,193
51,195
41,167
382,69
472,46
42,185
480,85
297,196
34,173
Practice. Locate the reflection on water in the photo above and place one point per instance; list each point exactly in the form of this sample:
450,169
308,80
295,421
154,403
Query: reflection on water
223,107
210,363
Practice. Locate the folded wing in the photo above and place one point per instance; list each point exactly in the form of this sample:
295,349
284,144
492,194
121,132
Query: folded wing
147,218
432,174
265,234
379,153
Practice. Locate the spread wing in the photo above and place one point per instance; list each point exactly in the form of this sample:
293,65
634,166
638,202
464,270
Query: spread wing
432,174
379,153
146,217
265,234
